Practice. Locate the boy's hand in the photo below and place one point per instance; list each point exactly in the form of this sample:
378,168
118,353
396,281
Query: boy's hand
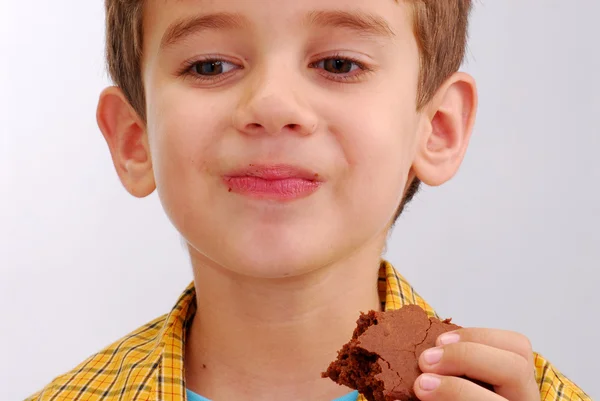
501,358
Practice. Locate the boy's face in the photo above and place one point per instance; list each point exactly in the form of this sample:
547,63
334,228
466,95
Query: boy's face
325,86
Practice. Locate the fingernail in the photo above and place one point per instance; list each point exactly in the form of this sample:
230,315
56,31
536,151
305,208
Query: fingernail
429,383
449,338
433,355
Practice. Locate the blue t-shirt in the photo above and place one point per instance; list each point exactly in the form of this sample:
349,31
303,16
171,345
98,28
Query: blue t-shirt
191,396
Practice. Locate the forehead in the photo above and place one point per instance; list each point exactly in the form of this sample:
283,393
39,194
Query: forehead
273,17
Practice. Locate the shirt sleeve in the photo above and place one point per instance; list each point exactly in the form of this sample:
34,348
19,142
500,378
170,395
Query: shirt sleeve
554,386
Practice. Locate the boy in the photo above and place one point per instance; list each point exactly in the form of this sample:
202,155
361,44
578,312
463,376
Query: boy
284,138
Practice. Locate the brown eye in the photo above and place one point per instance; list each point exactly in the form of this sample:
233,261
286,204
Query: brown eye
212,67
338,66
209,68
342,69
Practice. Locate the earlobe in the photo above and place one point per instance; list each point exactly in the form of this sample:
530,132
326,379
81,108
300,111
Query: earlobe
126,137
446,130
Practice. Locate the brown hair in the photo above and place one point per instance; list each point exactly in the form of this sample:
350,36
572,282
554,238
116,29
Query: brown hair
440,28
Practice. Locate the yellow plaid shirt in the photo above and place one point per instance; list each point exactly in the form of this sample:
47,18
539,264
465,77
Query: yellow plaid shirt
147,365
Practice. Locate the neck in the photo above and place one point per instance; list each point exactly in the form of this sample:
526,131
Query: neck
271,338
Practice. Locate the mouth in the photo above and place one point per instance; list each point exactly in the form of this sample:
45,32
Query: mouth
277,182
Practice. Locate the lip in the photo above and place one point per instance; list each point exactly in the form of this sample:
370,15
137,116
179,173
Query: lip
280,182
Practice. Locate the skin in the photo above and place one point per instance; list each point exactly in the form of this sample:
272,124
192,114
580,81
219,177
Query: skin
270,275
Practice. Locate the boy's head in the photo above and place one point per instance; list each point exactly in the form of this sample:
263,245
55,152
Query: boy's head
364,95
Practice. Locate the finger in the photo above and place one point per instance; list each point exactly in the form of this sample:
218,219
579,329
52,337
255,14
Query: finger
502,339
511,374
430,387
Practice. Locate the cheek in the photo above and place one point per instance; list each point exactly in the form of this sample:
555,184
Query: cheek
379,145
377,134
182,138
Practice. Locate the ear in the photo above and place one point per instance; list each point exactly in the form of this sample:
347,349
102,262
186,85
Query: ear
125,134
445,130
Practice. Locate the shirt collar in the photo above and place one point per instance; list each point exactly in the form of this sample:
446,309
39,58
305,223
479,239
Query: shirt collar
394,293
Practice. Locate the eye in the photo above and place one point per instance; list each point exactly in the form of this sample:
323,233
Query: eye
342,68
338,65
212,67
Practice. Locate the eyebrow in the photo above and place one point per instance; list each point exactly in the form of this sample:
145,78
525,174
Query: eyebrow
361,22
185,27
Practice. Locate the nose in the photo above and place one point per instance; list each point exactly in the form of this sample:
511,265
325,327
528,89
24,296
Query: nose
272,105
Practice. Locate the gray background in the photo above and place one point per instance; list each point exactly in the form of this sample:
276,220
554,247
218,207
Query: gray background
512,242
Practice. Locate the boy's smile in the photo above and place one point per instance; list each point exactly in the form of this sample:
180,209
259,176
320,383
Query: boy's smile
277,182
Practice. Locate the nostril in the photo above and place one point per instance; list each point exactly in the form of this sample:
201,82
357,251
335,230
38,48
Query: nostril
293,127
254,126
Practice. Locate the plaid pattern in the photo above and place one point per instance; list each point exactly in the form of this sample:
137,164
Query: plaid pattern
147,365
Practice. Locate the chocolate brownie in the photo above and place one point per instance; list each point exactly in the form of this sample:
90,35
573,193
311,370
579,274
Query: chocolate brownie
381,359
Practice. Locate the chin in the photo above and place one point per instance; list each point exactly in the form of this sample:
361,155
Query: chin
286,245
266,254
278,257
